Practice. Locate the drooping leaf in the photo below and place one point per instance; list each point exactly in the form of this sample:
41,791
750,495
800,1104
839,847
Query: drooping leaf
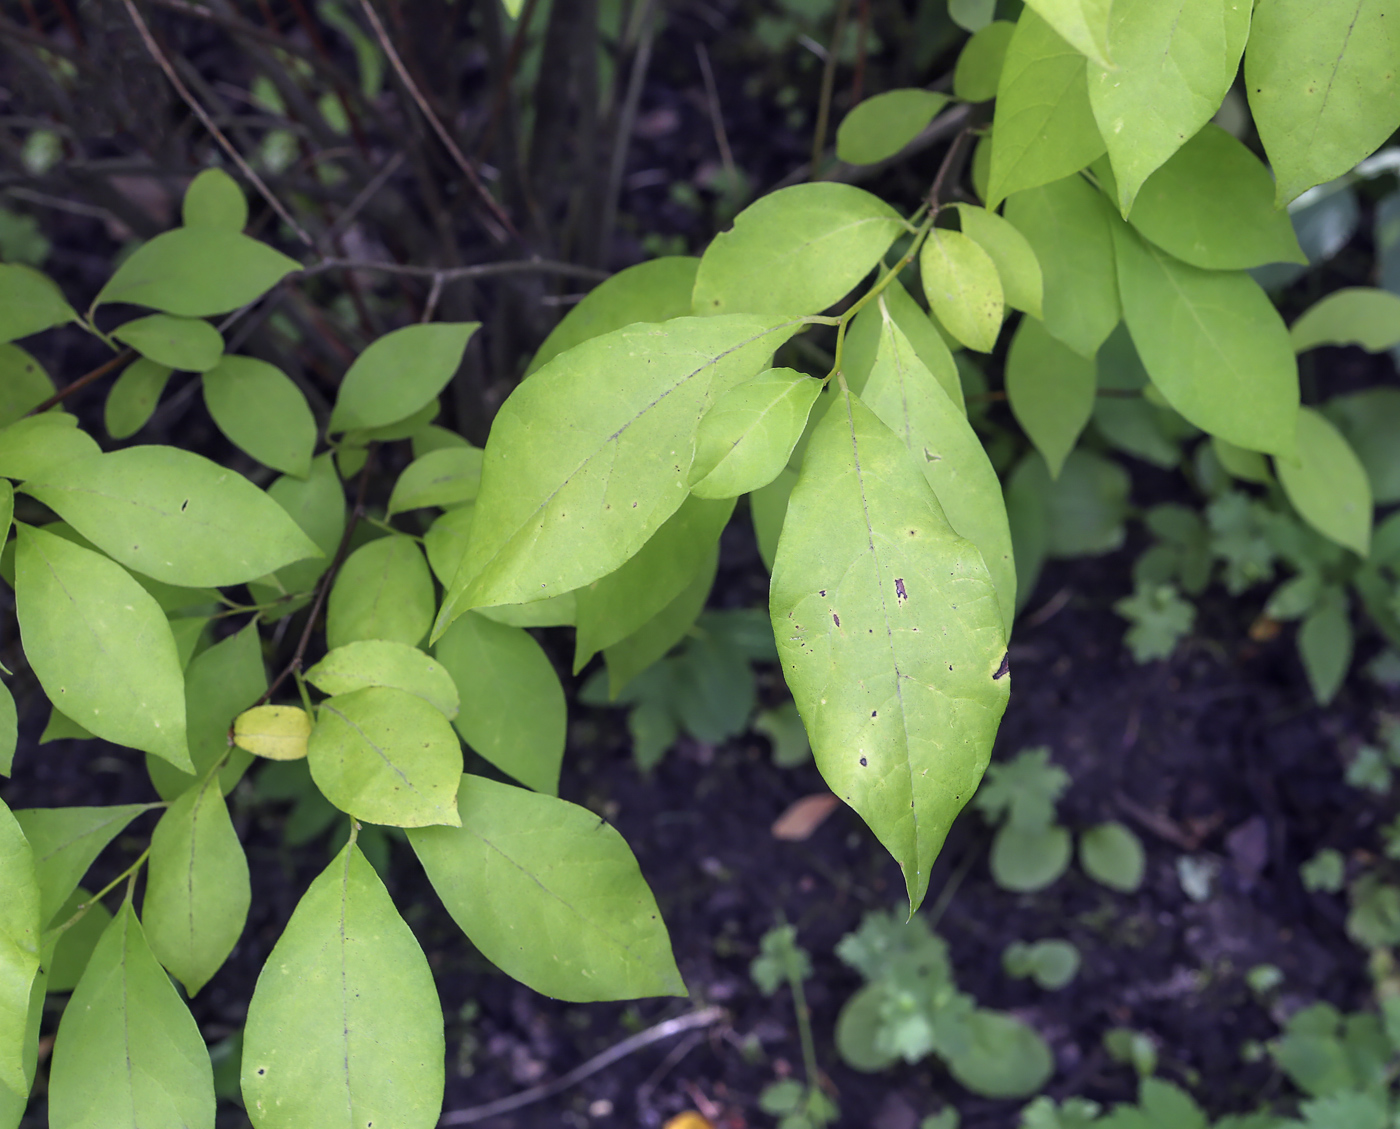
379,662
189,344
65,842
1084,24
1173,64
524,869
1323,86
863,337
1051,389
383,591
1213,344
446,478
30,302
20,925
345,1026
906,398
1015,261
963,287
31,447
262,412
1212,205
173,272
386,756
1356,315
880,127
979,64
1044,127
128,1053
1113,856
214,199
513,711
571,485
864,586
1327,484
100,645
747,437
653,291
279,733
795,251
173,515
1325,643
197,890
400,374
1067,224
629,657
134,396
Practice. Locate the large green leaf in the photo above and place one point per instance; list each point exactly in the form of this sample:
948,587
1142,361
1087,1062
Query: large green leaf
628,657
796,251
197,272
963,288
1323,85
551,894
1044,126
1212,205
65,843
1067,223
100,646
345,1027
890,636
1084,24
1213,344
879,127
1174,61
379,662
20,925
197,891
1327,483
383,591
616,605
1051,389
1016,264
1356,315
33,446
748,436
262,412
400,374
214,199
133,398
30,302
513,711
173,515
449,476
386,756
903,393
188,344
592,454
657,290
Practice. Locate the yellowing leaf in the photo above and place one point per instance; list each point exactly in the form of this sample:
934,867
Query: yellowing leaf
279,733
963,288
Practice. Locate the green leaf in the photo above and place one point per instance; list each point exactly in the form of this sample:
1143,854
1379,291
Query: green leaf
30,302
9,730
768,508
1325,643
345,1026
77,943
1044,127
128,1053
262,412
197,891
879,127
1327,483
616,605
657,290
748,436
31,447
1322,86
197,272
1369,421
713,689
173,515
1067,224
979,65
383,591
629,657
906,398
214,199
1051,389
1026,859
1174,64
24,384
379,662
591,455
405,428
525,869
1212,205
317,505
400,374
863,342
885,618
65,843
447,477
513,710
1086,506
100,645
782,725
1002,1057
446,541
1011,252
181,343
1357,315
20,925
963,288
1113,856
1084,24
971,15
796,251
134,396
1213,344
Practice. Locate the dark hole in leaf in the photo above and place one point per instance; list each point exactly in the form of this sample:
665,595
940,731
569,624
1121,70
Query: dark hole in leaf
1005,668
862,762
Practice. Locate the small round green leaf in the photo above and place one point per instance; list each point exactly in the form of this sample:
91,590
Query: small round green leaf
1357,315
134,396
1112,855
189,344
978,70
448,477
858,1031
1001,1058
963,288
881,126
1024,860
214,199
379,662
400,374
262,412
1051,389
383,591
1327,483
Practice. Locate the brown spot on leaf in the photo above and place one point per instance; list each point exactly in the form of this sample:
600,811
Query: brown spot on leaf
899,589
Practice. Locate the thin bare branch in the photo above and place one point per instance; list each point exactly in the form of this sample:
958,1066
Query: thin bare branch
626,122
452,274
716,113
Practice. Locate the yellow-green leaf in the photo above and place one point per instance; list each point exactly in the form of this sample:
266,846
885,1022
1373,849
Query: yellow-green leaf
262,412
963,288
880,127
1357,315
189,344
214,199
1327,484
279,733
1051,389
1015,260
